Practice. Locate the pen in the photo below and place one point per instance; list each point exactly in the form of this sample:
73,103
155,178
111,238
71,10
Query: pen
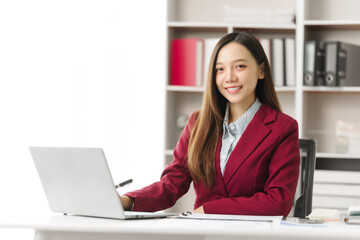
124,183
186,213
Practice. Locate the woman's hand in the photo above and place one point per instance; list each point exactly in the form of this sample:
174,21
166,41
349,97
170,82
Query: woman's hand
199,210
127,202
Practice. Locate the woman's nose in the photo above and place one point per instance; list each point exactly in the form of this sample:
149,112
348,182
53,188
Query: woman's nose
230,76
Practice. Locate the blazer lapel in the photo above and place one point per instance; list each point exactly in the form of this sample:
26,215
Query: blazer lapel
219,179
254,134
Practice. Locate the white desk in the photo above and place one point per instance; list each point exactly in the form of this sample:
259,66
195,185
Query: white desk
72,227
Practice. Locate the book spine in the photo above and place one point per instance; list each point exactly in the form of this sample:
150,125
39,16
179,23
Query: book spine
186,62
277,60
290,61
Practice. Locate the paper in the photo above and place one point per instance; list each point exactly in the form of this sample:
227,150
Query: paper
324,213
230,217
301,224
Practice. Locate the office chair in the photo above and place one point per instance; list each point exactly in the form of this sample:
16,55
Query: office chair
304,192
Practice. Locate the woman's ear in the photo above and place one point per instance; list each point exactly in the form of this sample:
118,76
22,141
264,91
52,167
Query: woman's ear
261,71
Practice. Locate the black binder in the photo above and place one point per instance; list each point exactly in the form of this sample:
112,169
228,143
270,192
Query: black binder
342,64
313,63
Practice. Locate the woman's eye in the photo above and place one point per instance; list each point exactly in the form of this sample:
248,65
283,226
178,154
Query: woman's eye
240,66
219,69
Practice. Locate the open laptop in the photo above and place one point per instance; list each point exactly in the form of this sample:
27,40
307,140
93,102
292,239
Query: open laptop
78,181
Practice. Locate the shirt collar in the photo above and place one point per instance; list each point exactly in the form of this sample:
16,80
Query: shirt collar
241,123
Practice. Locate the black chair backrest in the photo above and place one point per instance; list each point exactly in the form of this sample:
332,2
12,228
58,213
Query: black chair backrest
303,203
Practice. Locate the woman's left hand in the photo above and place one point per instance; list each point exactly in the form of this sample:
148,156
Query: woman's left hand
199,210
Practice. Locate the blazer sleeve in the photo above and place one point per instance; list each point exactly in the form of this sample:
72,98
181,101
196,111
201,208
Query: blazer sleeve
174,182
280,187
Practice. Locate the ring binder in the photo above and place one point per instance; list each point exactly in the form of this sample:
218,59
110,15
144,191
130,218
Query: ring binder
313,63
341,64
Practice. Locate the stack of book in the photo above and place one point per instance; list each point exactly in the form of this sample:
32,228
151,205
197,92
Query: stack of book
281,55
347,137
335,189
190,59
352,216
258,15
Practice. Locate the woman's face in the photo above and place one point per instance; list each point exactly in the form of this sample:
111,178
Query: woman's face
237,73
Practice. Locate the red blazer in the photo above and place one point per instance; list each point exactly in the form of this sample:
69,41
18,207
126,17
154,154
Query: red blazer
260,176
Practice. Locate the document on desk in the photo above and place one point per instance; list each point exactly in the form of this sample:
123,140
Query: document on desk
227,217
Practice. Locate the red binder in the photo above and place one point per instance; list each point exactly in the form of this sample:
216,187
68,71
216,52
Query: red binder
187,62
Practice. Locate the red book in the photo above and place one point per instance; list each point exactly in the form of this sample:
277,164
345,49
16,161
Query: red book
187,62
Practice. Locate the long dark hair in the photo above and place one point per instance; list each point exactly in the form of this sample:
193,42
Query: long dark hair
207,129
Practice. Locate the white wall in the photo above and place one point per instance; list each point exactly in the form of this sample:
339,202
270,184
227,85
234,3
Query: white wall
80,73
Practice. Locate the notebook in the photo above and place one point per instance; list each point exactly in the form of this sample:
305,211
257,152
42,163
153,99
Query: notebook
78,181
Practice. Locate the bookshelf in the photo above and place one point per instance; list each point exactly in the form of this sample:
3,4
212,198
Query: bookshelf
315,108
331,21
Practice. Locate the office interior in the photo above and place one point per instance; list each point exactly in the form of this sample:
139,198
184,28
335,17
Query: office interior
96,74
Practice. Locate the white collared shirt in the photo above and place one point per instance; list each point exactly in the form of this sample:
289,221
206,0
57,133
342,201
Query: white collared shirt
232,132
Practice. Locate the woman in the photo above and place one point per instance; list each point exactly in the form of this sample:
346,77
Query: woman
240,150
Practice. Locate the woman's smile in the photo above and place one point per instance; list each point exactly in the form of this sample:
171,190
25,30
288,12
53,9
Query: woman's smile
233,90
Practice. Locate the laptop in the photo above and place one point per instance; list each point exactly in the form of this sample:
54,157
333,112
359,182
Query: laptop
78,181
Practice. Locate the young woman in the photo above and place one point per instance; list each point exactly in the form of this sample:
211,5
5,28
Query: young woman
240,151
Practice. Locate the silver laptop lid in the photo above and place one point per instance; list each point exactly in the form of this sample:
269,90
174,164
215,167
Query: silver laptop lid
77,181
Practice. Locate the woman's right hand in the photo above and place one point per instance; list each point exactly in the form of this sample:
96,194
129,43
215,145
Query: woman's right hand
127,202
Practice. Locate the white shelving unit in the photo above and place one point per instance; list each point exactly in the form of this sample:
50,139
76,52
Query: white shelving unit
315,108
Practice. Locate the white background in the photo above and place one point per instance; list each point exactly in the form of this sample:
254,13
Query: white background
80,73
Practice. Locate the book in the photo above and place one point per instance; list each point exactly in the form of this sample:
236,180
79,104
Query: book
337,177
289,62
266,44
337,189
277,61
187,62
354,211
334,202
209,45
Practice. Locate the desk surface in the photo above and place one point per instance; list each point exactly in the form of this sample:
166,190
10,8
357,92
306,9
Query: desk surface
174,227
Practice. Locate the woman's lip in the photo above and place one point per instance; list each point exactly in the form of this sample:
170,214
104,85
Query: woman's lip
232,90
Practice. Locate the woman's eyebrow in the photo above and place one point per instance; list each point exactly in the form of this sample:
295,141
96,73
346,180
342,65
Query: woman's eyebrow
236,60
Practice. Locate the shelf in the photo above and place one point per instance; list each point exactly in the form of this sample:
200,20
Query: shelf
185,89
316,108
214,25
266,26
337,155
333,24
290,27
285,89
211,25
331,89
